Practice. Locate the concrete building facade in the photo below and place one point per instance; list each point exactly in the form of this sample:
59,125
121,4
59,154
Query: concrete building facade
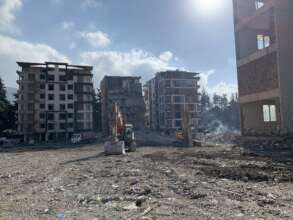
54,100
127,92
167,95
264,46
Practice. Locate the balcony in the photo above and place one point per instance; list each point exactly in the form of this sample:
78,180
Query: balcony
257,55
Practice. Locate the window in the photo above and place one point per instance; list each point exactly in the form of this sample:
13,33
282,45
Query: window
263,41
51,107
259,4
51,87
62,107
70,87
80,116
178,99
62,87
269,113
30,107
51,126
70,77
178,115
178,107
31,86
178,123
31,77
51,78
62,97
42,126
70,106
30,117
191,107
70,115
42,96
70,96
42,106
62,126
62,78
42,86
88,116
31,96
70,125
80,125
42,76
168,99
168,83
183,83
51,97
62,116
80,106
88,107
50,116
42,116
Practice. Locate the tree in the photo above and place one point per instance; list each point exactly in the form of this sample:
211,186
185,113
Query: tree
97,111
222,111
205,101
7,110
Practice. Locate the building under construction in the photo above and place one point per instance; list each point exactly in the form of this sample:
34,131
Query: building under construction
54,100
127,93
168,95
264,44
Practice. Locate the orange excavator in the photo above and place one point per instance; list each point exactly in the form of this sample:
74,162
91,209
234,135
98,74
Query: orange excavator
122,135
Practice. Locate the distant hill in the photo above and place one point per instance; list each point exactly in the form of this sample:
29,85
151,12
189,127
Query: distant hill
10,91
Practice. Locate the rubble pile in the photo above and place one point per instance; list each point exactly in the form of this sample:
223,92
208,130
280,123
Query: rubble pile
227,137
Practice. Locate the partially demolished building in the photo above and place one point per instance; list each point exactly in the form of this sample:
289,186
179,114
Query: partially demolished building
167,95
264,46
127,93
54,100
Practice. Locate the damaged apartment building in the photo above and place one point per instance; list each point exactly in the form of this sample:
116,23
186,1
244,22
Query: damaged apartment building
126,91
55,100
167,96
264,46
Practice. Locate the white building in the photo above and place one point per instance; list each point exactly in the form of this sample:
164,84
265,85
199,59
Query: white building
54,100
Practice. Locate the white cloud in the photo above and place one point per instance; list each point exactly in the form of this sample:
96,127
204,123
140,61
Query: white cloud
7,14
166,56
72,45
223,88
97,39
12,50
67,25
132,63
91,3
220,88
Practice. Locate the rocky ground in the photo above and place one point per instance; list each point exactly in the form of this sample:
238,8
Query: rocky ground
215,182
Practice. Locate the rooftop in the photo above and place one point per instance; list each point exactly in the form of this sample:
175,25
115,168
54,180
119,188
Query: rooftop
46,64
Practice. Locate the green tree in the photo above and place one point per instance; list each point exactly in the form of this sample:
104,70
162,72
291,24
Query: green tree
97,111
7,110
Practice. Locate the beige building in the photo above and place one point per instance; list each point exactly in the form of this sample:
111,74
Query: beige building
264,45
54,100
167,95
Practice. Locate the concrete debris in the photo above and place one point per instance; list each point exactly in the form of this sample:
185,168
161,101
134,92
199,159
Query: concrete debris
223,182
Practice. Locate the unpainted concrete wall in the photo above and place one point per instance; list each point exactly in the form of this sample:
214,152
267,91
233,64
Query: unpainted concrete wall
253,121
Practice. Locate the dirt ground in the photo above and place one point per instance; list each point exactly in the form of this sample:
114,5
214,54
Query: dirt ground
220,182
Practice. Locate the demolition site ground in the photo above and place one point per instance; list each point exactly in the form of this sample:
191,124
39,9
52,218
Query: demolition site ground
211,182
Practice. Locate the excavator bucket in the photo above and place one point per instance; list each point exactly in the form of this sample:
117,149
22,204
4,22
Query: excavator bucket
114,148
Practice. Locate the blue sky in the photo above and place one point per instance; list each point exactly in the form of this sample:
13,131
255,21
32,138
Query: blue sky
122,37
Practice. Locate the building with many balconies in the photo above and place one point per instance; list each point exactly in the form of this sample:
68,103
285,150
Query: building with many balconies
54,100
168,95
